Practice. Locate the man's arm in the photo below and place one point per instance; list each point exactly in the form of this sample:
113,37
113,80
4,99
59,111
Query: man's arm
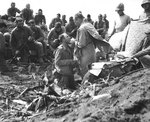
50,39
17,10
81,38
44,19
8,12
41,36
51,25
141,53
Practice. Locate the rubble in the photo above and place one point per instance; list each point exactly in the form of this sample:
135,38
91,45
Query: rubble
26,98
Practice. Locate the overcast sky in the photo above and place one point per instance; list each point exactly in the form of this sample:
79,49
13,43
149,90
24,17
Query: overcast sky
70,7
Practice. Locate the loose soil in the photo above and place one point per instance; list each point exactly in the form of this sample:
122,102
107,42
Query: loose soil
125,99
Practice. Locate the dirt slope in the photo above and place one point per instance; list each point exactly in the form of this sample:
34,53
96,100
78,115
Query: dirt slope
128,100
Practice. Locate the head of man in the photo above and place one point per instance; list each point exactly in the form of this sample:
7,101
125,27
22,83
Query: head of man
146,5
28,6
13,5
78,19
3,27
40,12
120,9
100,17
71,21
58,16
19,22
88,17
65,39
57,27
32,23
63,17
7,37
104,16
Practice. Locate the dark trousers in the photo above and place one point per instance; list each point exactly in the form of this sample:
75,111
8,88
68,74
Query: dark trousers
66,82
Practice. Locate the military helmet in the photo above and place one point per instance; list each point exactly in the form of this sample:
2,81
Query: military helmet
120,6
7,37
144,2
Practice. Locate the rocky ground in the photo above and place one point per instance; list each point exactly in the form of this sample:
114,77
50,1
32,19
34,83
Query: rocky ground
123,99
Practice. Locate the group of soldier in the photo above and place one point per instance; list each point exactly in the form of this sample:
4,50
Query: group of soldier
73,45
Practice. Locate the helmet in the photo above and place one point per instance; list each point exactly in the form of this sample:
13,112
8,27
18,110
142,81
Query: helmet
144,2
7,37
120,6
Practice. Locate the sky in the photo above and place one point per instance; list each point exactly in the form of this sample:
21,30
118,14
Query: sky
70,7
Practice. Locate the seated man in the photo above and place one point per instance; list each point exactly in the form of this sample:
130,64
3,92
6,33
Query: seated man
64,63
38,36
22,41
54,34
3,66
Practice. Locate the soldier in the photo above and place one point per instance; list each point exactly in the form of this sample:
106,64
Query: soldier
54,21
22,41
40,18
54,34
12,11
38,36
64,21
87,39
3,65
88,19
100,25
64,63
136,43
27,13
121,21
71,28
146,6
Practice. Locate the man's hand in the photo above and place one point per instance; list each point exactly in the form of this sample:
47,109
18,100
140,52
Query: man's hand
30,38
17,52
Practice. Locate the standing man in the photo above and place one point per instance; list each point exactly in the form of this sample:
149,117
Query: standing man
40,18
106,22
64,21
121,21
54,21
71,28
88,19
12,11
85,48
100,25
27,13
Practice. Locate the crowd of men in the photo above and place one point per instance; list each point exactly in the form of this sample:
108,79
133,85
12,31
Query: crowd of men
72,45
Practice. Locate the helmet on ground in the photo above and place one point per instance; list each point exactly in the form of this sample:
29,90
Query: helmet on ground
145,2
120,7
